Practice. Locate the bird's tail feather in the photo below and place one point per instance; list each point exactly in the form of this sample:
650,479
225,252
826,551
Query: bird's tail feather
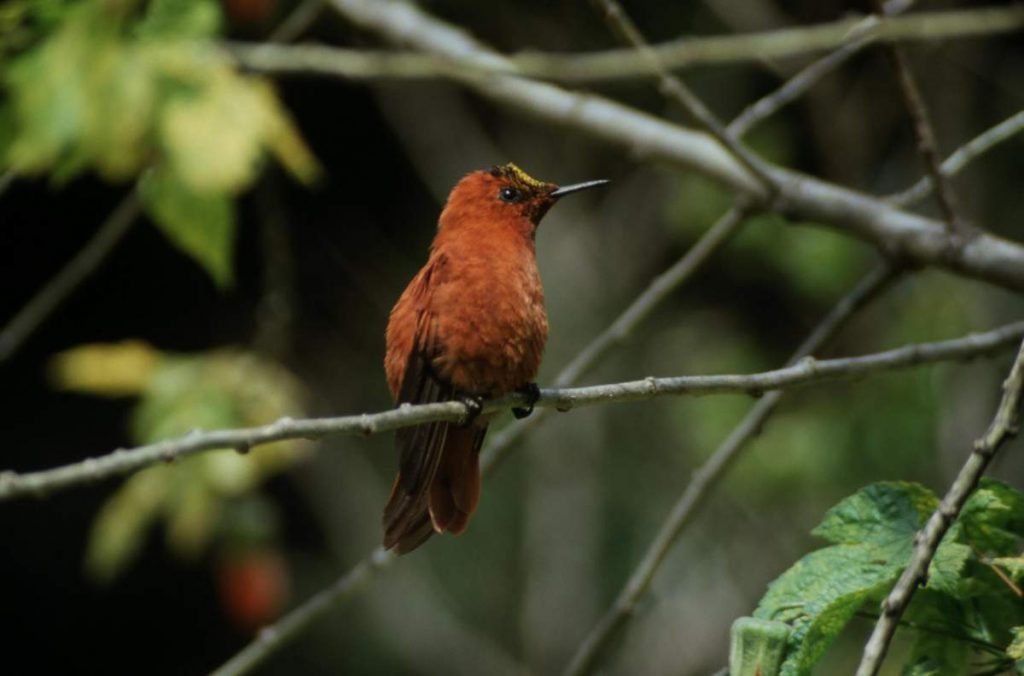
448,504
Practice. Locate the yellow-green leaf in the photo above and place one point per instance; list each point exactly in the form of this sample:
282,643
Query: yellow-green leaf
120,528
108,369
200,224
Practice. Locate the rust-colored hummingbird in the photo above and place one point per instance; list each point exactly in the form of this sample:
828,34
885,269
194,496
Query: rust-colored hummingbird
471,325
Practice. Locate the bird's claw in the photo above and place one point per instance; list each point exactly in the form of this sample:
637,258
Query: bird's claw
474,407
532,394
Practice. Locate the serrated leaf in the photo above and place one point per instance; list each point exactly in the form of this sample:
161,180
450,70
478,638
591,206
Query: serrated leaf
200,224
993,518
947,566
822,591
108,369
879,513
937,621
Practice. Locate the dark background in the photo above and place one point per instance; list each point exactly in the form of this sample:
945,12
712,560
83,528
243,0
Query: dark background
575,511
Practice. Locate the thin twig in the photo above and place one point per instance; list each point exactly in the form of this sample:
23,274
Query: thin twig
707,475
991,648
924,134
659,288
921,240
621,63
859,37
963,156
776,44
1003,426
675,89
272,638
296,23
6,179
655,293
806,372
70,277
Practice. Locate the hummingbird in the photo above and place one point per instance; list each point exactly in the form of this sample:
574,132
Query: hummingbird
471,325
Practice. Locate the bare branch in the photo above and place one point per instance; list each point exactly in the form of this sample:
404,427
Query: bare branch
71,275
924,134
6,179
694,50
271,638
806,372
659,288
353,64
501,443
705,477
674,88
296,23
795,87
922,240
963,156
1003,426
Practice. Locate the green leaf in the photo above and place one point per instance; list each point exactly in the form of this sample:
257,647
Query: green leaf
757,647
119,529
200,224
823,590
880,513
48,92
993,518
1016,649
122,93
1011,565
188,19
938,621
946,571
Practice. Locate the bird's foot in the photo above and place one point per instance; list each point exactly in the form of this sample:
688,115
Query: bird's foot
532,394
474,407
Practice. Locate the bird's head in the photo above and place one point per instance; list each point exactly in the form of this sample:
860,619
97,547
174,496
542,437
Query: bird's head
504,196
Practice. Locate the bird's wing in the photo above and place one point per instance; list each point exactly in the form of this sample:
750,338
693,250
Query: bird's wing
421,446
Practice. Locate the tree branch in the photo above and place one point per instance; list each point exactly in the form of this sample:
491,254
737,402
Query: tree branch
926,543
617,64
963,156
690,51
796,86
924,134
659,289
708,474
922,240
271,638
807,371
503,441
71,275
673,88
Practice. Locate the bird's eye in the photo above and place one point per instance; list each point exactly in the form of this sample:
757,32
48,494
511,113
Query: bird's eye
510,195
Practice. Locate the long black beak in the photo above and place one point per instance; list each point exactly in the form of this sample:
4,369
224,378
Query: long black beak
576,187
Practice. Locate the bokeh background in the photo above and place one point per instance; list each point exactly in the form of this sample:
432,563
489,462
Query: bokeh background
198,554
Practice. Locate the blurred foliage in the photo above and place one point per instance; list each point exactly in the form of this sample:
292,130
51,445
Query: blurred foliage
139,88
964,605
198,498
